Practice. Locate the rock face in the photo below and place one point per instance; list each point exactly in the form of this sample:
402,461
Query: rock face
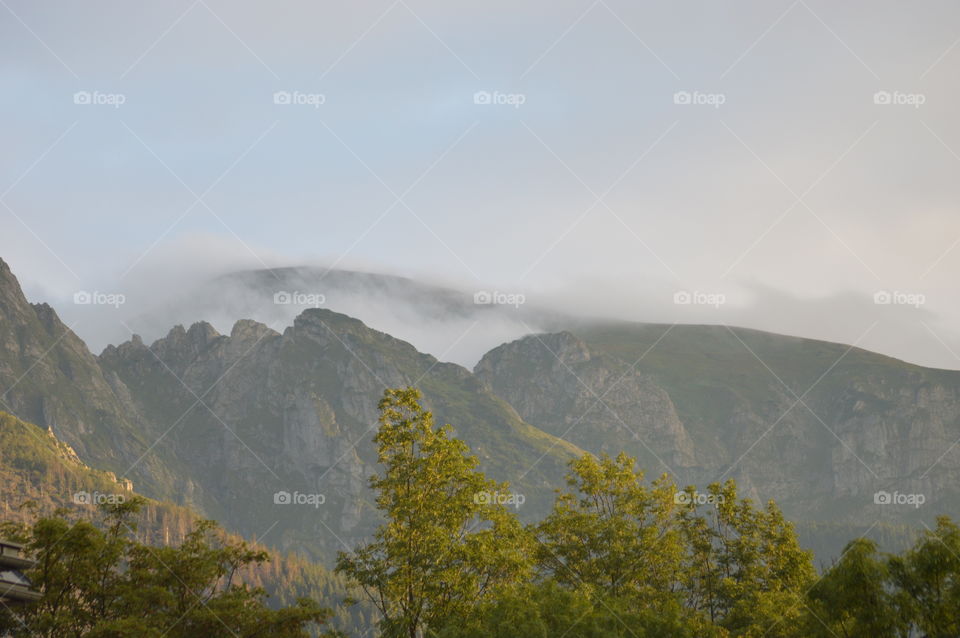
819,427
230,424
593,400
260,413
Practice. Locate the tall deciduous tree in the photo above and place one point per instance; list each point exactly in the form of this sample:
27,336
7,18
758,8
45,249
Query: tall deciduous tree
447,542
927,580
853,598
613,532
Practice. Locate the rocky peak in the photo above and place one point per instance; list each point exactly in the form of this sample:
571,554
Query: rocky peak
181,347
536,352
317,320
12,300
249,330
202,333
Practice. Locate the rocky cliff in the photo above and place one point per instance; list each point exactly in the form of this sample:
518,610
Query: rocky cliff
259,413
820,427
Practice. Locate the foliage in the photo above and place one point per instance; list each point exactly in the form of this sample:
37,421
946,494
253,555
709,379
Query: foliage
99,582
444,547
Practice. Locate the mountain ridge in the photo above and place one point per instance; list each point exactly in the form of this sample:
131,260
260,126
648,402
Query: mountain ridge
222,422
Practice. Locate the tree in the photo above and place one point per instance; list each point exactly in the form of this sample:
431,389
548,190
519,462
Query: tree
613,533
744,566
853,598
549,610
97,581
448,542
927,578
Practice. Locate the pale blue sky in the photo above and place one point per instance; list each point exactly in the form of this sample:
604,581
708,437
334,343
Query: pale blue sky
508,195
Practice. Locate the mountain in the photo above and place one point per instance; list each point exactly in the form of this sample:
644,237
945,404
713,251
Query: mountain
47,376
224,424
39,469
820,427
260,412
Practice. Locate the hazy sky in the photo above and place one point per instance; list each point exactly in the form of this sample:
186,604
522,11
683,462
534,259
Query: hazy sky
629,151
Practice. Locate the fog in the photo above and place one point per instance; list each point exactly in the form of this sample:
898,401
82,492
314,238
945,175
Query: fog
200,280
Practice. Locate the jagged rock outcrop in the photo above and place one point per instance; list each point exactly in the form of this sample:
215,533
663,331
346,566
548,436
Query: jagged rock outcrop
259,413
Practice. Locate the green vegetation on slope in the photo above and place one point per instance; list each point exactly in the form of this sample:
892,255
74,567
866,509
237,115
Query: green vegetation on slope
41,477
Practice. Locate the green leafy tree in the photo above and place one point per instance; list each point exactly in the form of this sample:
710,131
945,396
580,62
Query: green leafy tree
613,532
548,609
744,566
927,581
447,543
97,581
853,599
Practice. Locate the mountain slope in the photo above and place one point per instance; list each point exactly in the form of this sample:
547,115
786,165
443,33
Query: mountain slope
223,423
37,468
866,423
47,376
259,412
